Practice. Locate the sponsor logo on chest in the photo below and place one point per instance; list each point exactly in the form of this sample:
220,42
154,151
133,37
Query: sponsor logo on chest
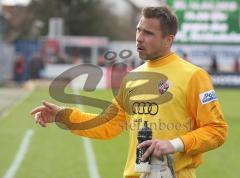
163,87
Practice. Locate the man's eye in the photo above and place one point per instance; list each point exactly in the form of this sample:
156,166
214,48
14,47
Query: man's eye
149,33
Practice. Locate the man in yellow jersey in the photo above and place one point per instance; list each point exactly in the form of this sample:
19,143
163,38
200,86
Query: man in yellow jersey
175,97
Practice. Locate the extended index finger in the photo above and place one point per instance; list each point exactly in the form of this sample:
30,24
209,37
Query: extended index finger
38,109
48,104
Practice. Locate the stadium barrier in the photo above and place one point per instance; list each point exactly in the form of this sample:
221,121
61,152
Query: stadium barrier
226,80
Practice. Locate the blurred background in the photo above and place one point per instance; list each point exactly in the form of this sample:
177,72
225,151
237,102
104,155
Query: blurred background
40,39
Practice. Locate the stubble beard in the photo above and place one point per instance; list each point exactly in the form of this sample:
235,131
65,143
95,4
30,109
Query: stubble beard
148,58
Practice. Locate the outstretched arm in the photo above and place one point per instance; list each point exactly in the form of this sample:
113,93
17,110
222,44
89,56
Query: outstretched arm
104,126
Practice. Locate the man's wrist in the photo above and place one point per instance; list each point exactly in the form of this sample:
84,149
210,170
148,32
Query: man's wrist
60,114
178,144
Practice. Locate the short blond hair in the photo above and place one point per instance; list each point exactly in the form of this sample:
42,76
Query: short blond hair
167,18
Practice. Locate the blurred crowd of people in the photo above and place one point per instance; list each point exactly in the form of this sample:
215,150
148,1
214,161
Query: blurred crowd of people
31,69
214,66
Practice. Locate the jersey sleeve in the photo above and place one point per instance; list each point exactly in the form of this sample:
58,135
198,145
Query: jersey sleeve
110,123
209,130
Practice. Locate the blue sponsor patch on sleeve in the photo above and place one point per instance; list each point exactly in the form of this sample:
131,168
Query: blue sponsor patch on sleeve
208,97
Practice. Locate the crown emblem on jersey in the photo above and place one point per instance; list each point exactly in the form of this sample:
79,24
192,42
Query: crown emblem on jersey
163,87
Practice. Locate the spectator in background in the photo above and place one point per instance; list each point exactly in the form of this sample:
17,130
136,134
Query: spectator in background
185,57
36,65
236,65
214,64
101,61
77,59
62,58
19,66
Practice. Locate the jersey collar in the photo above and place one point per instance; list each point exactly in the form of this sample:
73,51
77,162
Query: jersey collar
162,60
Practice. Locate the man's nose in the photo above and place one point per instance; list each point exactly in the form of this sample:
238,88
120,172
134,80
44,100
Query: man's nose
139,37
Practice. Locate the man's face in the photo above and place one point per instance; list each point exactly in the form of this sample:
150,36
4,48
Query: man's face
149,40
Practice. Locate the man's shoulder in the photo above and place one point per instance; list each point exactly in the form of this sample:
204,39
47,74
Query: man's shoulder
187,66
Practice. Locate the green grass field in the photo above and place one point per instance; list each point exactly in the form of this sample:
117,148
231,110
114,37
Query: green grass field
56,153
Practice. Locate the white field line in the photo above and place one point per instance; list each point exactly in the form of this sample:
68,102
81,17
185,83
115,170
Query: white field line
91,160
10,173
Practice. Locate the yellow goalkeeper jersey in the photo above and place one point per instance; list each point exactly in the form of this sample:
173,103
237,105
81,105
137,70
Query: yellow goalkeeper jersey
175,97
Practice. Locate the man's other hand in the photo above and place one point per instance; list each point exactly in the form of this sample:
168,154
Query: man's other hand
157,148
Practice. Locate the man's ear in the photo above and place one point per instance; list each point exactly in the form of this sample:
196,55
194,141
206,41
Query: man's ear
169,40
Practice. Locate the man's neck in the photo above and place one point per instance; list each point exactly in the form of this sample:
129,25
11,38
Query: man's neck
160,56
